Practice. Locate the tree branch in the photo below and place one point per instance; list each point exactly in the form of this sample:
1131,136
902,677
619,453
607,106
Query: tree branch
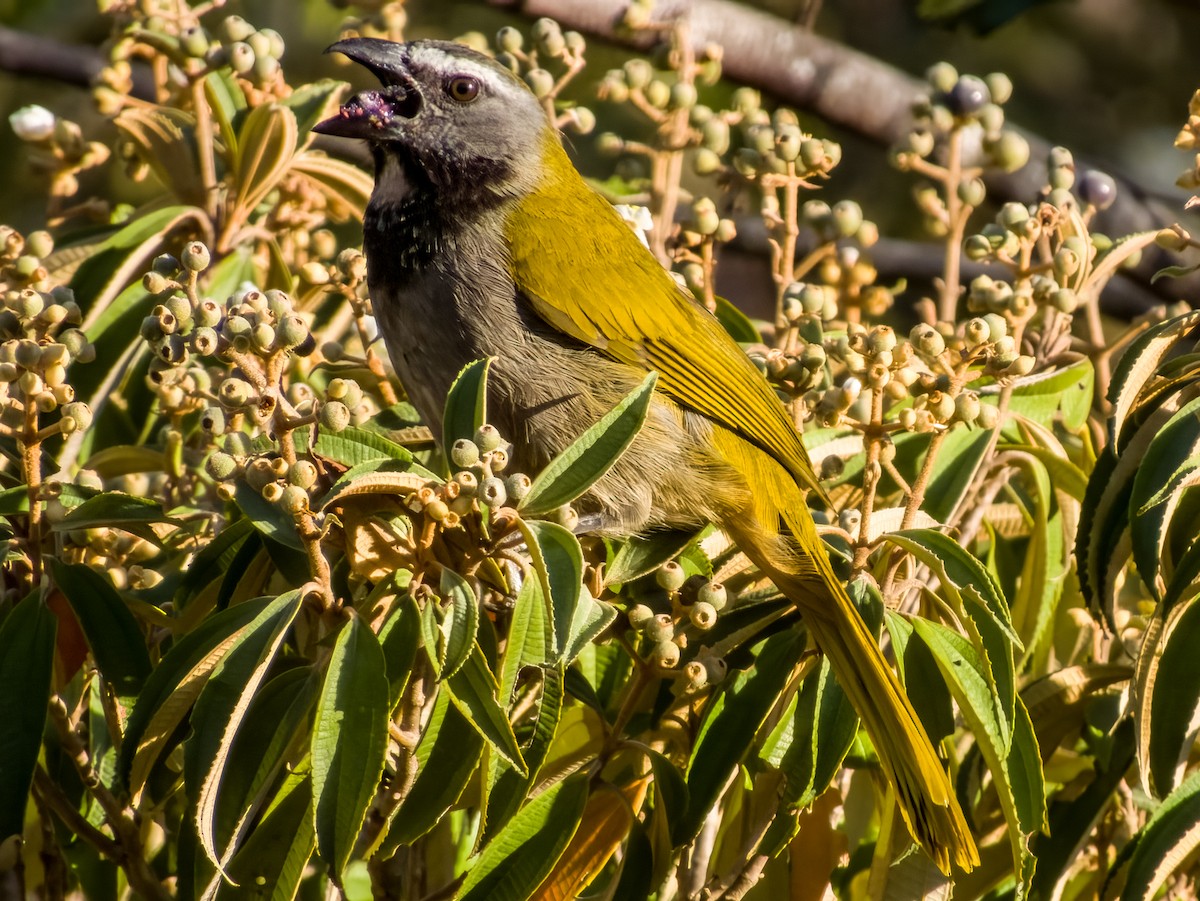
852,90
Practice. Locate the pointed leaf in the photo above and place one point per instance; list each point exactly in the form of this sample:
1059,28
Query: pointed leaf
447,756
266,144
460,623
222,707
349,741
514,863
466,404
1165,843
113,633
591,455
26,669
730,724
270,865
1015,765
558,565
172,687
473,690
352,446
640,555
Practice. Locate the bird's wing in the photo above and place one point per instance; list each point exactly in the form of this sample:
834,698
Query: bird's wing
600,286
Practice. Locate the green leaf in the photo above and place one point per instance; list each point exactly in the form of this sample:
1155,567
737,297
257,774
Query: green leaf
278,713
122,258
270,865
1071,820
592,617
26,669
400,637
737,323
1175,691
968,585
1169,450
730,724
1161,847
459,624
1069,389
227,105
530,640
310,103
113,633
380,476
640,555
113,510
1137,366
352,446
514,863
268,518
590,455
349,741
466,403
558,565
190,660
507,788
1015,765
447,755
222,707
266,144
473,690
214,560
960,457
812,739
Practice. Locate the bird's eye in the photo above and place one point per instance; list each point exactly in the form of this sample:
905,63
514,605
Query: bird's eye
463,88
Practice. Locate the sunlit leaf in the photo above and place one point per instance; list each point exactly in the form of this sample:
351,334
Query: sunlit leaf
466,403
26,668
349,741
514,863
117,641
590,455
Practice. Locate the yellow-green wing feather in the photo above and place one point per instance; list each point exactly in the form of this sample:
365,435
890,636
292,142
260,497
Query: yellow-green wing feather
634,312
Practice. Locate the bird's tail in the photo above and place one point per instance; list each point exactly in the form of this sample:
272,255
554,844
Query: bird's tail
804,575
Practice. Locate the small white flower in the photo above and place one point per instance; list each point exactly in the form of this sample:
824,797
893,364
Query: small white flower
639,217
32,123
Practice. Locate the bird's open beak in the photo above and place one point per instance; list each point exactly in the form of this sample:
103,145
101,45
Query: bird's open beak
370,113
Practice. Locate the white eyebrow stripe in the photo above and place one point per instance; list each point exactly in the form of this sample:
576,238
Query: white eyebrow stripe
439,60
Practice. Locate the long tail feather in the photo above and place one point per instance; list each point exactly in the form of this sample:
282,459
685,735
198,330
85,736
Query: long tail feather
926,798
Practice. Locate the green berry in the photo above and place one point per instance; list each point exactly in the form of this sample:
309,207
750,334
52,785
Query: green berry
196,257
293,499
464,453
213,420
714,593
241,57
220,465
702,615
334,415
509,39
492,492
670,576
517,485
666,654
659,628
235,28
303,473
488,438
639,615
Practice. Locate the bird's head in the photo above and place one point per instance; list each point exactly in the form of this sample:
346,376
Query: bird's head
447,115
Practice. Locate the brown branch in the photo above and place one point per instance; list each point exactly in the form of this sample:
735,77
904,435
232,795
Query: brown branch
849,89
38,56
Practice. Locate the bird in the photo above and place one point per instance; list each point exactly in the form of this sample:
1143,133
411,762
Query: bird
483,240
